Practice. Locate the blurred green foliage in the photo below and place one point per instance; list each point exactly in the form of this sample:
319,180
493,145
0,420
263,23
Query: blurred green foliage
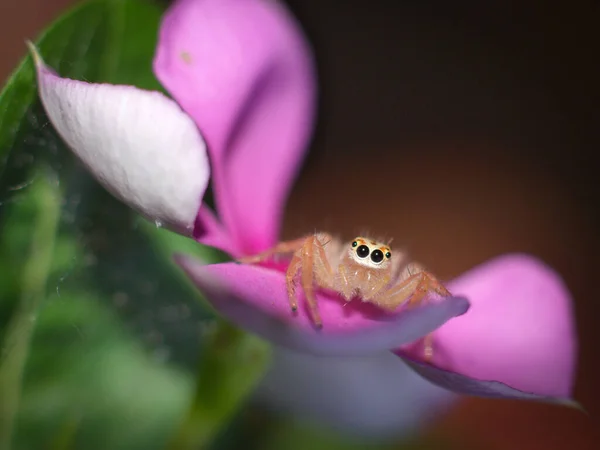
40,217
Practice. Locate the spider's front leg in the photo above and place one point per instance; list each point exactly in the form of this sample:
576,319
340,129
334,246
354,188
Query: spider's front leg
413,289
312,263
280,249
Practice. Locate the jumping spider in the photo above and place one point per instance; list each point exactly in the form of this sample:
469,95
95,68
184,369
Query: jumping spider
361,269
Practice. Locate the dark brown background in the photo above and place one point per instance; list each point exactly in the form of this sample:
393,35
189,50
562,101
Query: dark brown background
464,132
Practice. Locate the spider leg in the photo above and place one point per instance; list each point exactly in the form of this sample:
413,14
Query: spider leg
407,289
307,277
414,289
428,347
290,276
433,284
279,249
311,261
323,272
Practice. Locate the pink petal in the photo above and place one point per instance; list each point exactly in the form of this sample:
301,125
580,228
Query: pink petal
518,339
256,299
210,231
139,144
243,70
494,389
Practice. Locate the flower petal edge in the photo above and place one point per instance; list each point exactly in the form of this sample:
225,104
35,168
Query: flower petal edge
138,144
255,298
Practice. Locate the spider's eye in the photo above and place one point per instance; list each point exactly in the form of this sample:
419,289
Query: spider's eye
388,255
377,256
362,251
354,244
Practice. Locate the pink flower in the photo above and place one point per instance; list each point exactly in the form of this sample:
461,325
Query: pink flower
243,72
247,81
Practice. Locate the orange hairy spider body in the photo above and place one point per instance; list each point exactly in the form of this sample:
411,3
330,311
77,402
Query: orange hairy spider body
362,268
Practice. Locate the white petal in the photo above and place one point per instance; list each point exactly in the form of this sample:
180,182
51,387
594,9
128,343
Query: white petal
375,397
138,144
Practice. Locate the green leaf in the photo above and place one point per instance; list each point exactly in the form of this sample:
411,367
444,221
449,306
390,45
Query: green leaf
231,366
303,435
42,215
98,41
88,370
167,243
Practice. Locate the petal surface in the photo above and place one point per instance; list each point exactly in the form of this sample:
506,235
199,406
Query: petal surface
243,70
209,231
462,384
374,397
518,339
138,144
256,299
